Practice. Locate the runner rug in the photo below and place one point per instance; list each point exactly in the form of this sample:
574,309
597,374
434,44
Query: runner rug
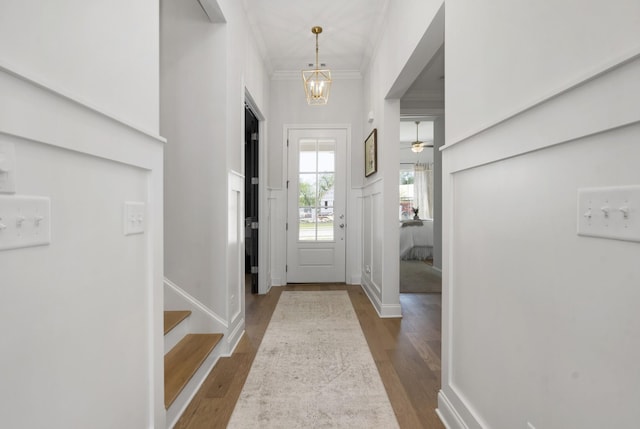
313,370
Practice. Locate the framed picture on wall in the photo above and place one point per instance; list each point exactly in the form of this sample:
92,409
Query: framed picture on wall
371,153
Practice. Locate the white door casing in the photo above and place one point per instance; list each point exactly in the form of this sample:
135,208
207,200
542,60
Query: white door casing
316,205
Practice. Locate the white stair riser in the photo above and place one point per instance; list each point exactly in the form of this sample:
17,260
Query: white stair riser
174,336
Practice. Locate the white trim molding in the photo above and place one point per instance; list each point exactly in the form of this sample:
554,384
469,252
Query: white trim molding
40,85
372,248
448,414
588,76
194,303
585,101
235,259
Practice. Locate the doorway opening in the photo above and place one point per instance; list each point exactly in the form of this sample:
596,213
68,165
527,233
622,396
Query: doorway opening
251,195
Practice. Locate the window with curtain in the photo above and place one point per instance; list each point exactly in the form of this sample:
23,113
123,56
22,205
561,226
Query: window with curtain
416,191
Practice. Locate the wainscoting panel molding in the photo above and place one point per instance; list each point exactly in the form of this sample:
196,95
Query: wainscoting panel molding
574,114
235,257
371,221
597,113
42,121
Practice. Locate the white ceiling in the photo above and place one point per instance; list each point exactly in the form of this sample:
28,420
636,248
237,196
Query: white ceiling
283,31
408,130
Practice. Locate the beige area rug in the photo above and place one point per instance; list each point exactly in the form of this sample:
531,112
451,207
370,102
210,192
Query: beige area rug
418,277
313,370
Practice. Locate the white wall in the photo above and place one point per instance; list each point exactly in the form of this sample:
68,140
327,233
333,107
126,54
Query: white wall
72,46
80,106
206,70
193,119
401,54
539,325
288,106
515,64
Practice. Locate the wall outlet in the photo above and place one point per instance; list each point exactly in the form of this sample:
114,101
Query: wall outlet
134,217
24,221
7,168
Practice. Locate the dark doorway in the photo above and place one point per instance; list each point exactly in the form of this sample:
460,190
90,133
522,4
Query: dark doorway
251,196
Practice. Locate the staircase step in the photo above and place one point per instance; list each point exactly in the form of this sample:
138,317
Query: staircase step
172,318
183,361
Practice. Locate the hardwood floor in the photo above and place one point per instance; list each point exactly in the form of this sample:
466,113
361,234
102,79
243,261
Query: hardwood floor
406,351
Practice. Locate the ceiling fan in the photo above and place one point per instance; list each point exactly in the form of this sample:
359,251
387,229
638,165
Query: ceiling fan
417,146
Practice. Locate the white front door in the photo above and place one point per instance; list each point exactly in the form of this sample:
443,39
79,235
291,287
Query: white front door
316,206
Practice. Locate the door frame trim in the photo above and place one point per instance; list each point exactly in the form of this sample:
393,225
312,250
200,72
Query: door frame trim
348,190
263,284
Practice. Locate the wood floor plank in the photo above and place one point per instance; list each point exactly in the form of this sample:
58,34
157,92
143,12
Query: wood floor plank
431,358
172,318
184,360
406,352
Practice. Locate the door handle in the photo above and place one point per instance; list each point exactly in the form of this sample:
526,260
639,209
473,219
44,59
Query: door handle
341,225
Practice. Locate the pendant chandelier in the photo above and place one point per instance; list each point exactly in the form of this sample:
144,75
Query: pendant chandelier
317,83
417,145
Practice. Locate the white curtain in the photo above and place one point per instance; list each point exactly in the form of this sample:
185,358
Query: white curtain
423,189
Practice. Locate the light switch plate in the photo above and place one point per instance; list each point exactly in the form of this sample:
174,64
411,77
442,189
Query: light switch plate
610,212
25,221
135,217
7,168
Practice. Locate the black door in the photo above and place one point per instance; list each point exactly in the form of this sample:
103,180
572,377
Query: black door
251,196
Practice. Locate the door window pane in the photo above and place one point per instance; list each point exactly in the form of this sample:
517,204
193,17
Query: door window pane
326,156
307,190
308,156
316,179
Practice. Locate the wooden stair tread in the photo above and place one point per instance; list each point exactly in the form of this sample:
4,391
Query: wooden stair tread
172,318
182,362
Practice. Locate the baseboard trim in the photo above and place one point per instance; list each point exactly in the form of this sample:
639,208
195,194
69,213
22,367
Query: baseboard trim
235,345
391,311
234,337
447,413
355,280
372,296
385,311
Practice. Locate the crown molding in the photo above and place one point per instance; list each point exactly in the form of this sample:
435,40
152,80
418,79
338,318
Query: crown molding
297,74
